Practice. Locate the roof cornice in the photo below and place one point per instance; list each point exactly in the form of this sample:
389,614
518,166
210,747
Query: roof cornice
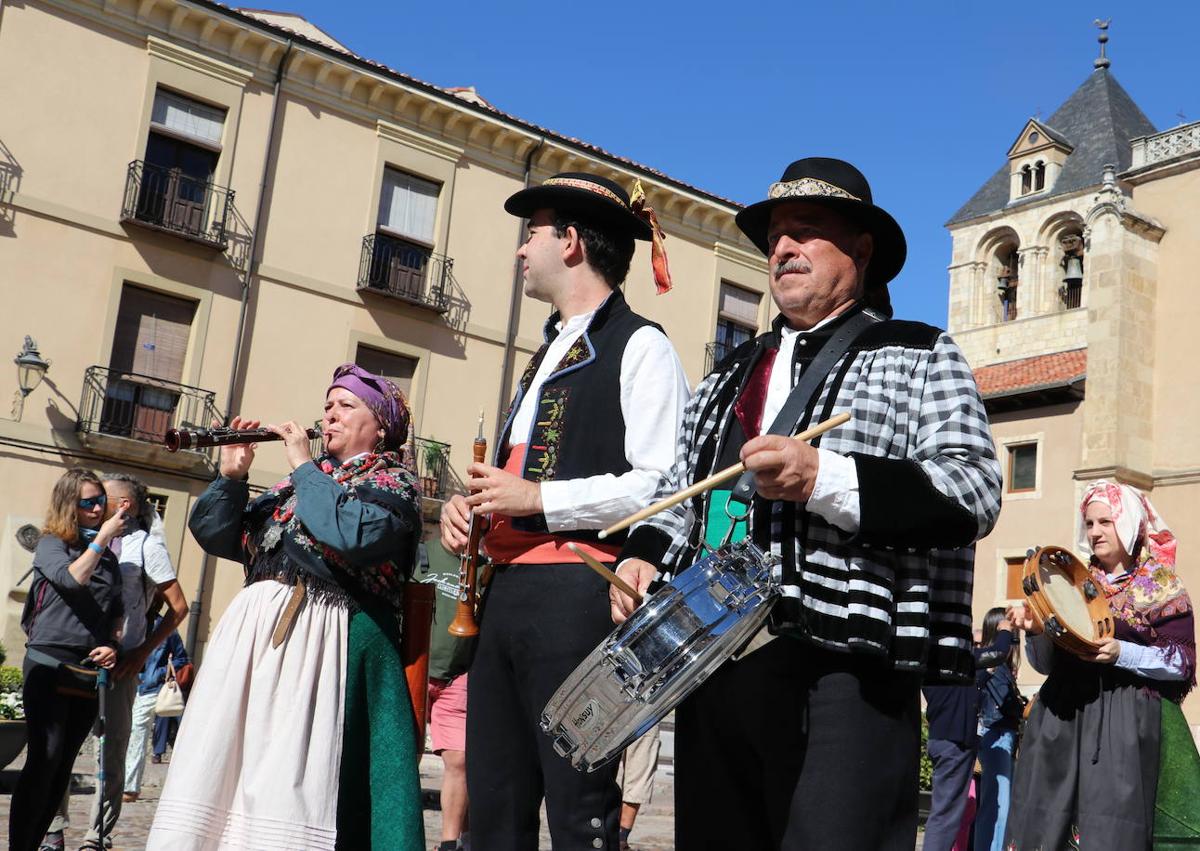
237,44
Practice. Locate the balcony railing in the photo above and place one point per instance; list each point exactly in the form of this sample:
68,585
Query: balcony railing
1176,142
714,353
168,200
406,271
140,407
433,467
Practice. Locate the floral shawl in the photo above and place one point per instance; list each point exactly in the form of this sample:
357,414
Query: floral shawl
382,479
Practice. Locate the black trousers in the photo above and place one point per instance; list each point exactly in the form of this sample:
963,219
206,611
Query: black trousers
57,727
538,624
798,748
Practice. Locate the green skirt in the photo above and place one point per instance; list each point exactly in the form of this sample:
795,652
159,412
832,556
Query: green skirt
1177,802
379,799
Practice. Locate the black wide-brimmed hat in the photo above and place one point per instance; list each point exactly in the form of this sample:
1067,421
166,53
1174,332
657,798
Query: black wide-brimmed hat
840,186
597,199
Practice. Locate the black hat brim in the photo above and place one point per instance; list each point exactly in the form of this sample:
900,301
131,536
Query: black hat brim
890,247
590,206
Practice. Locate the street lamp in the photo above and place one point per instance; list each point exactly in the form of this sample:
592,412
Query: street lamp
31,369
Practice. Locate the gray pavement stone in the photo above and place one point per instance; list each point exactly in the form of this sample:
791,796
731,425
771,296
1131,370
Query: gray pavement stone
654,830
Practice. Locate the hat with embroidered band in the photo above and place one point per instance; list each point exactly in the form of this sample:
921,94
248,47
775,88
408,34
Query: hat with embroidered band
593,197
602,202
840,186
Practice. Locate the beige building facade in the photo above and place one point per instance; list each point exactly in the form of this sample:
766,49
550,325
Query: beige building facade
204,210
1072,294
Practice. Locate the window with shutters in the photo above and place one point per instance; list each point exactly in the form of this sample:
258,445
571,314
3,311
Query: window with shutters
1014,571
737,321
174,184
146,366
398,368
404,238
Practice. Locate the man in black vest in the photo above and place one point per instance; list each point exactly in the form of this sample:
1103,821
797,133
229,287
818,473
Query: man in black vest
812,741
585,441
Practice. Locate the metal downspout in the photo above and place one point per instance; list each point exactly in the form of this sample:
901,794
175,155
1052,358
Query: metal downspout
510,336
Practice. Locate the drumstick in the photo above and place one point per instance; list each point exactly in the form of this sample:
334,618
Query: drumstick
714,480
609,577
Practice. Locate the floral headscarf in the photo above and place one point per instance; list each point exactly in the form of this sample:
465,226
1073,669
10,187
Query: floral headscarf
1136,520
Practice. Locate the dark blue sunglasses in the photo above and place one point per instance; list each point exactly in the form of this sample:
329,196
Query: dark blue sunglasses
93,501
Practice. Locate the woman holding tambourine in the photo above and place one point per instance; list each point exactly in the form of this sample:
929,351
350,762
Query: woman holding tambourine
1107,760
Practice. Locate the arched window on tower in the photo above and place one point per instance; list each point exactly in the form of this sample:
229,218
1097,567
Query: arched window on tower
1026,180
1070,294
1039,176
1007,281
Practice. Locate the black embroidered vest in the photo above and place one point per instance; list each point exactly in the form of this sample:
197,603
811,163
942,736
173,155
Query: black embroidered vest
578,428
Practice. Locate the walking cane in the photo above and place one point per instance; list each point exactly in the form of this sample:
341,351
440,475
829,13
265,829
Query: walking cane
102,710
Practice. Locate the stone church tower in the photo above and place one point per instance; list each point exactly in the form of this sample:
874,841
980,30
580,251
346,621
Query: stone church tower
1072,294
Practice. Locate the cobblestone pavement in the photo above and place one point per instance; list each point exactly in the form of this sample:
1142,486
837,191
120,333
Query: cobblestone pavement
653,831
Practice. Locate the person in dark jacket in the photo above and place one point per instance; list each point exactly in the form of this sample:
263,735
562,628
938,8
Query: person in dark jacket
71,618
953,713
150,680
1000,710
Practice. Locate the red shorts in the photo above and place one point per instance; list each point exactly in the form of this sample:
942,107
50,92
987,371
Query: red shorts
448,714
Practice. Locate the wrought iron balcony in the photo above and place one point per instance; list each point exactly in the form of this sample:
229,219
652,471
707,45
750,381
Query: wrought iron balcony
141,407
714,353
405,270
168,200
433,467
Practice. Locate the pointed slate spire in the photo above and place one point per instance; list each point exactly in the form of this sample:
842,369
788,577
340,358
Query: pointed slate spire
1099,119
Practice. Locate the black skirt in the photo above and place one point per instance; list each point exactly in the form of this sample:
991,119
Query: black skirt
1087,773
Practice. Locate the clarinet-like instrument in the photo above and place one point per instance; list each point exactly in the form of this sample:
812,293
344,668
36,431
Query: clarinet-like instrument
464,624
198,438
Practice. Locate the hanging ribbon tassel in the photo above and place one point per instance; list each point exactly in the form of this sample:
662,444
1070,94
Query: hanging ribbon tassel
658,252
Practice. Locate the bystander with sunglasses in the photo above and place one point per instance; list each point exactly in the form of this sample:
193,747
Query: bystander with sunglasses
71,620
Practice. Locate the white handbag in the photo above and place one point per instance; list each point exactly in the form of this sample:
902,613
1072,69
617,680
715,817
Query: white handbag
169,703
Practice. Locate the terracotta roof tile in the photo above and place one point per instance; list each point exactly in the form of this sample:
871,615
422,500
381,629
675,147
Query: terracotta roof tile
1005,379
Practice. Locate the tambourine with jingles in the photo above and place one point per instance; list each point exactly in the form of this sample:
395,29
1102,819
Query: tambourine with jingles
1073,610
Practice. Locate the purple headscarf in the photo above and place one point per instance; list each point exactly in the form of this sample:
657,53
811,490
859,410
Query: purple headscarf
381,396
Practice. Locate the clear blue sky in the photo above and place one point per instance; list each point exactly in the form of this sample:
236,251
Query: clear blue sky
924,97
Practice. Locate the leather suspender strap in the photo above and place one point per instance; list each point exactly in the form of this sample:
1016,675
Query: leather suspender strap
811,379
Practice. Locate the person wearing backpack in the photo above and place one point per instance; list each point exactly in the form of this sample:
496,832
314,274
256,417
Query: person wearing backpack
72,618
146,576
1000,710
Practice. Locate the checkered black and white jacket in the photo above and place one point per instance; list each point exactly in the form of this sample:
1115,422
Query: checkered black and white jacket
929,487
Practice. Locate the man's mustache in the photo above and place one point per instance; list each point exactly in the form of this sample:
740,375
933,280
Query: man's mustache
793,265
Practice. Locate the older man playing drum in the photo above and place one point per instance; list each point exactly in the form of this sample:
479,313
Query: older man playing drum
812,741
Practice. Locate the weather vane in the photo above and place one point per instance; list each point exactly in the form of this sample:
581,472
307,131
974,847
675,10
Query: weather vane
1102,60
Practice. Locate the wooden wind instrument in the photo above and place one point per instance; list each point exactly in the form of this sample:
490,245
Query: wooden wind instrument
198,438
464,625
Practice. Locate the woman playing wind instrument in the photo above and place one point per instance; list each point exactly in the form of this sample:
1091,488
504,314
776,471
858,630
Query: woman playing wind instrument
300,728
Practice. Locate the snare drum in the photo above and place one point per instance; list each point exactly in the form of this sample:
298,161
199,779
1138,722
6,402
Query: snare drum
661,654
1061,592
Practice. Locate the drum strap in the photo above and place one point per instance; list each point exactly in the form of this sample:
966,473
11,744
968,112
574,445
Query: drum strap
811,380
